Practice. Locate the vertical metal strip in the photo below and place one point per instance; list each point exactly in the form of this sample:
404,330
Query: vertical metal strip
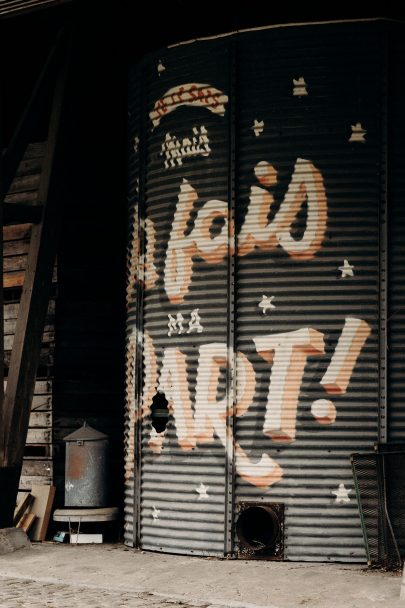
231,342
383,254
361,512
139,313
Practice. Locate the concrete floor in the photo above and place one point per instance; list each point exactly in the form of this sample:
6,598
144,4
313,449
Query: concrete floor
112,575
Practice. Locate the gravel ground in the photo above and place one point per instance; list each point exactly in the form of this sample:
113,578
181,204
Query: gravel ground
52,575
17,593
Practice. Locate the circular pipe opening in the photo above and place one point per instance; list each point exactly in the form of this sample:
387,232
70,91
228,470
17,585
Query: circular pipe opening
258,528
159,412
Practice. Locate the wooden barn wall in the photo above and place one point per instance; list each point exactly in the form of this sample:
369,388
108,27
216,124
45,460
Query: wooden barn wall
90,313
89,352
38,461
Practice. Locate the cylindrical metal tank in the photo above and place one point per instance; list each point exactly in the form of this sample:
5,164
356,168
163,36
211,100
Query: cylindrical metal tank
257,293
86,471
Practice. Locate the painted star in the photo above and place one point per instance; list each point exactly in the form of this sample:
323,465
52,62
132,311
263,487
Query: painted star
258,127
202,491
155,513
300,87
266,303
358,133
346,269
160,67
342,494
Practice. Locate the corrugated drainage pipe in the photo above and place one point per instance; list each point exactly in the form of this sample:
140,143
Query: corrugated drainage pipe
258,528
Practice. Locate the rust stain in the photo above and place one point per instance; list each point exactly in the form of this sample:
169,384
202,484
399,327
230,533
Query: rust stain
77,462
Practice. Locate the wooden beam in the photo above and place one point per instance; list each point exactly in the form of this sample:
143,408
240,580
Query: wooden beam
42,507
7,507
33,308
25,128
22,507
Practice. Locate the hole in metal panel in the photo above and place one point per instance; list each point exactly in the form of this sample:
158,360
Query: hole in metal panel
159,412
260,530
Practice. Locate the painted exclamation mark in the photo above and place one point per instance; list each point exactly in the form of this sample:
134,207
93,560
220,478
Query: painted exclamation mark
337,377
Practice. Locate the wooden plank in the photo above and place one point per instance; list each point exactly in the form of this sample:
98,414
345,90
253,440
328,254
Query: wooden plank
40,420
11,248
41,403
11,310
16,279
29,166
42,506
37,468
9,326
47,338
42,387
39,436
17,232
35,150
22,507
27,481
15,262
26,521
13,279
24,183
24,198
46,358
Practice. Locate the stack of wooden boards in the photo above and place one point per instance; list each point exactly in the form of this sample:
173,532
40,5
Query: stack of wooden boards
33,511
38,461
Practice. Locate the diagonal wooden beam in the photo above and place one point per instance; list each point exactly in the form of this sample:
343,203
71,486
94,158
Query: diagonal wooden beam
1,302
15,411
13,154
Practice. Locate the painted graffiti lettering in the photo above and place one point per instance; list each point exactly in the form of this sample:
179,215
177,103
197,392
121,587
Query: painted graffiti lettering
287,354
181,248
176,324
306,185
174,150
337,377
173,383
189,94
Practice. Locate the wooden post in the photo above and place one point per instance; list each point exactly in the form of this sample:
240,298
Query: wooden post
1,299
15,413
12,156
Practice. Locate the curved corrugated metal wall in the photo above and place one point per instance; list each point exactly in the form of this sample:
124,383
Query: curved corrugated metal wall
305,139
279,130
134,113
185,301
396,222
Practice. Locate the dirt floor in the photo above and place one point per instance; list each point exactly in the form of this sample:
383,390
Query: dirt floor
57,576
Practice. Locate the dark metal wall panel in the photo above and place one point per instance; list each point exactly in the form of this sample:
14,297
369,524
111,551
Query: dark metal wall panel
185,209
307,284
396,223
